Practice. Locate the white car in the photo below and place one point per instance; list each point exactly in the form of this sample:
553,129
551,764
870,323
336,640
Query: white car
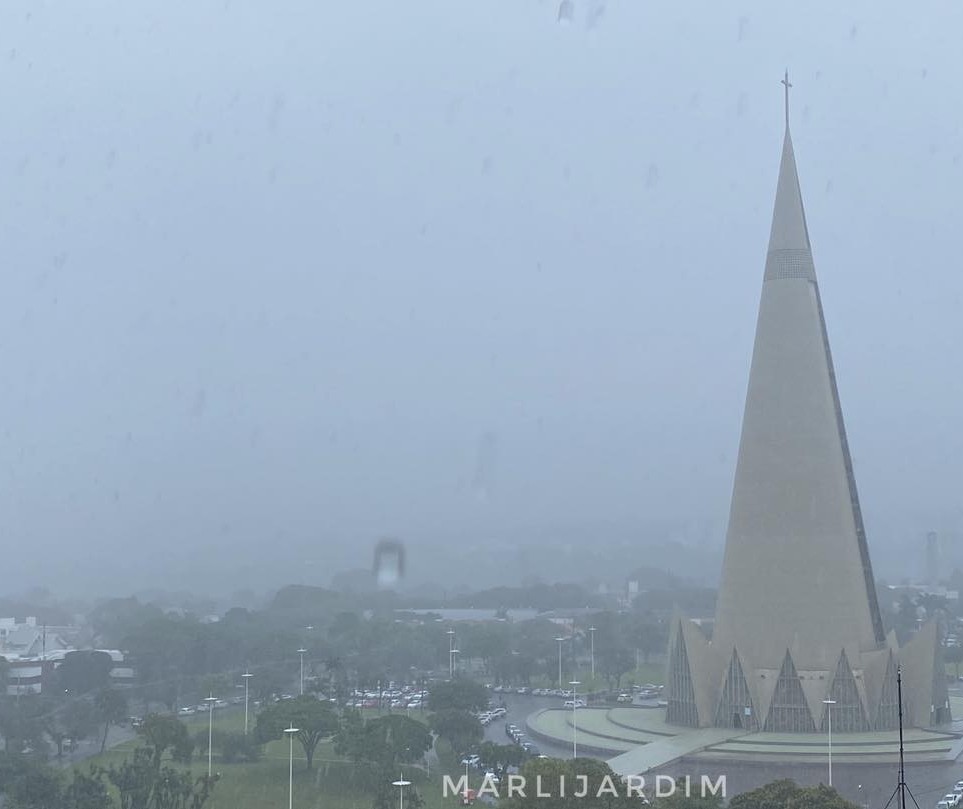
574,703
953,798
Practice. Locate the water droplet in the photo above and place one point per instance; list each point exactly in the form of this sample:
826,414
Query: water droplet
389,562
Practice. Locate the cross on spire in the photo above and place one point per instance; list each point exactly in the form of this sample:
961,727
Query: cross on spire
787,85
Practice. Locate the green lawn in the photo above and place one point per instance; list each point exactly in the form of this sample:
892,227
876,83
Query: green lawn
265,783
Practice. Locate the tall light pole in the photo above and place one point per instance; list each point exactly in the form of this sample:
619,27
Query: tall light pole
247,679
451,648
592,636
291,731
575,684
829,707
301,652
560,640
401,783
210,731
452,658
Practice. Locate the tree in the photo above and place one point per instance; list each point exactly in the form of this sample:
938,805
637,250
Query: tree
386,740
614,662
34,785
459,694
786,794
22,725
79,719
72,719
461,728
111,708
163,733
315,720
143,784
87,791
83,672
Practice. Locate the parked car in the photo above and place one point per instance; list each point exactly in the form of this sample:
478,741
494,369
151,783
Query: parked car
624,698
188,710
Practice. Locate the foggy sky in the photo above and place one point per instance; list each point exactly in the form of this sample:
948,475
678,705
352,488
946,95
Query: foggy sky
280,279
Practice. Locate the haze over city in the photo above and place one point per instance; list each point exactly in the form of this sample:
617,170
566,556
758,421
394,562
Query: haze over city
269,299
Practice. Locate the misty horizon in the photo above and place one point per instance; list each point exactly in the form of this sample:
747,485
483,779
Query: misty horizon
270,300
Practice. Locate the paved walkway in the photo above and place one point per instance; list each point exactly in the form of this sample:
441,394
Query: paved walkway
657,754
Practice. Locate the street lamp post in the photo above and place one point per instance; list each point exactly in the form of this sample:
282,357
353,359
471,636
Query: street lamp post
291,731
210,731
451,648
452,658
575,684
829,707
401,783
560,640
301,652
592,636
247,679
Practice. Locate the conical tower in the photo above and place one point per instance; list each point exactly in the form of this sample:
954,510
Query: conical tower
795,540
797,604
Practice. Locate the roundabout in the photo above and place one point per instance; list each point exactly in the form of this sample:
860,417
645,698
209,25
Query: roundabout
636,740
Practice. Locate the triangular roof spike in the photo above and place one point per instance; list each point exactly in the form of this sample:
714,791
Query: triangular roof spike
680,689
736,707
789,710
887,711
847,708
